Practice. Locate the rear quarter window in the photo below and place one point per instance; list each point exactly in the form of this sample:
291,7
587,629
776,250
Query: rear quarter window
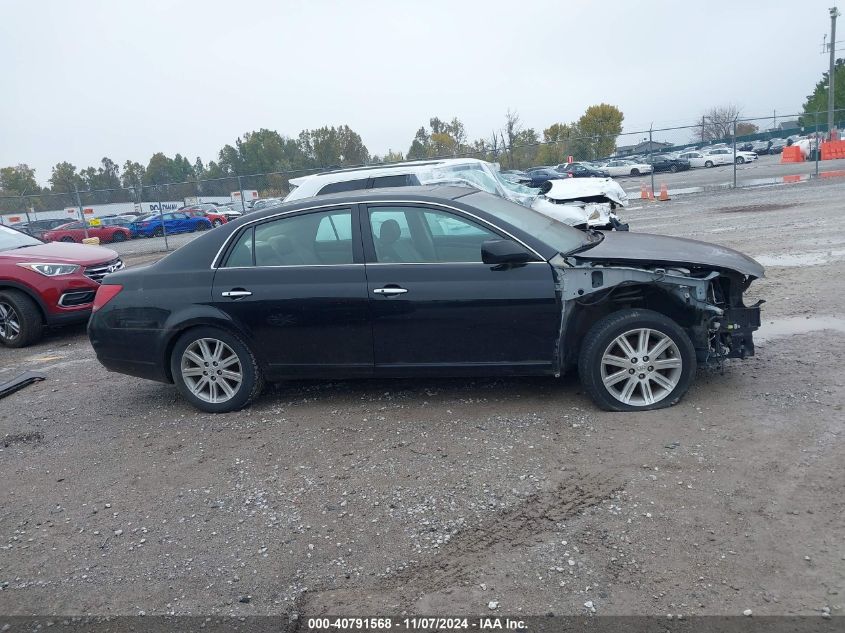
347,185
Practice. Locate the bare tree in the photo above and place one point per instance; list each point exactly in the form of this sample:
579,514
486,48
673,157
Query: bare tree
513,126
717,123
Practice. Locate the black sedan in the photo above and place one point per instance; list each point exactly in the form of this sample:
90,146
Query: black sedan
540,175
580,170
427,281
665,163
37,228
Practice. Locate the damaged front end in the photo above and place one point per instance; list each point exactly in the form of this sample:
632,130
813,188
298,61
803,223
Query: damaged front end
585,203
707,302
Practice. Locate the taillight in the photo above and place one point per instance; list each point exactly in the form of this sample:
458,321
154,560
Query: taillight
105,293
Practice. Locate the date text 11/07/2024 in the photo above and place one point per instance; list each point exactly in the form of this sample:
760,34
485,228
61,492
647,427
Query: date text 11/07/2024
415,624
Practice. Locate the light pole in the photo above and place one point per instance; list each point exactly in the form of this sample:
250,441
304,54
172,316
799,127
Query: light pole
834,13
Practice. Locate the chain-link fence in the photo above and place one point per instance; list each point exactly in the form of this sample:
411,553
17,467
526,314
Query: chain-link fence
730,153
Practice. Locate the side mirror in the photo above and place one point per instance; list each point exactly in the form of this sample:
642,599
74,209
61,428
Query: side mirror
503,252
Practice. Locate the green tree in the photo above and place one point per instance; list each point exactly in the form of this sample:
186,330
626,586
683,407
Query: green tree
133,176
598,128
64,178
328,146
420,146
556,148
817,101
445,139
18,180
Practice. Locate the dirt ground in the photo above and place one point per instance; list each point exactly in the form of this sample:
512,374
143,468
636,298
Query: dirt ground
513,496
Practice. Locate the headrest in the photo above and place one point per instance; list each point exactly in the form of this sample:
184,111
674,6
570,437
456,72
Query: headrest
389,231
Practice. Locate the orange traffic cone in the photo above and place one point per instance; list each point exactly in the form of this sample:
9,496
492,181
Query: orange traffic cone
664,193
643,192
651,194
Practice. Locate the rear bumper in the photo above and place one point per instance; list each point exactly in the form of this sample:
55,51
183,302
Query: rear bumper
137,368
133,351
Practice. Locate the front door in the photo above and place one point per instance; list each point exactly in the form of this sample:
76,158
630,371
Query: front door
297,286
437,308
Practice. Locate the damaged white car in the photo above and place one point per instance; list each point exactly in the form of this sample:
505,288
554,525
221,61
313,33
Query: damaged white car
586,203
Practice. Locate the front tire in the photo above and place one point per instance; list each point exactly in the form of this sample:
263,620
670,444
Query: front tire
709,163
215,371
636,360
635,172
67,238
159,232
674,169
217,223
118,237
740,160
21,322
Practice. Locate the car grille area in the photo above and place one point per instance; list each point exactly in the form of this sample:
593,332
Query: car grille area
98,271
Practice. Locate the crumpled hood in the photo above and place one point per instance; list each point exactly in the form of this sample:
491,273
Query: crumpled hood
660,249
586,189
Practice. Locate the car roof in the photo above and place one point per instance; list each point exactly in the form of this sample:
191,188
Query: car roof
420,192
374,171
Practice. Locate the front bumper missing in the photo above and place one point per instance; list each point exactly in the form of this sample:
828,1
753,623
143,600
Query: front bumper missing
734,330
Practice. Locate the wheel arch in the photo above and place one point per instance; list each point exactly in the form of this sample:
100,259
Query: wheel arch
6,284
209,319
581,317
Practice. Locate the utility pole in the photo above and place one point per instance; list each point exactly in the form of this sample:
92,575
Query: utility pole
834,13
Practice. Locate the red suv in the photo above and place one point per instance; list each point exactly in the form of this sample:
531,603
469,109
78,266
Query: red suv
46,284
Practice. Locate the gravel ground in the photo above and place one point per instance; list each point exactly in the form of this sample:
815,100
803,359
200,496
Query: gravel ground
453,496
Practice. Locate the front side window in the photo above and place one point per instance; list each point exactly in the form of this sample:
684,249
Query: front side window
312,239
414,235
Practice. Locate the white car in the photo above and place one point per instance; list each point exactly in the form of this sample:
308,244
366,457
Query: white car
698,159
728,153
626,168
573,205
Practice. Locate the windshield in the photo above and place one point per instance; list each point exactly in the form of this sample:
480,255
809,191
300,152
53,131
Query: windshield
561,237
11,239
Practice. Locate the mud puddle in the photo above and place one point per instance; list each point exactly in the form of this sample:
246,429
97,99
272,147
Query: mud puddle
801,259
779,328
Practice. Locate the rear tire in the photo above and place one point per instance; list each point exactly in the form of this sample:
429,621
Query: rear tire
708,163
208,387
216,223
635,172
67,238
674,169
159,232
21,322
620,380
118,237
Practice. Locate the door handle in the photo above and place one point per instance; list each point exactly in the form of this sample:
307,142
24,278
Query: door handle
390,291
236,294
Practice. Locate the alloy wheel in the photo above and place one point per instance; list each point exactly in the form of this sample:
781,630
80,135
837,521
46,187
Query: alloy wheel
641,367
10,325
211,370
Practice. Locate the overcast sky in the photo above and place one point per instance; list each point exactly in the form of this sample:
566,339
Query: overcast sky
85,79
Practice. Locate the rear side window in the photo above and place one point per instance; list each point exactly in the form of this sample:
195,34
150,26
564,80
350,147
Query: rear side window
347,185
241,254
321,238
405,180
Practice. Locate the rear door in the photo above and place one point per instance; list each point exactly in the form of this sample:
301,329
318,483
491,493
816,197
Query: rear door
296,286
437,309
